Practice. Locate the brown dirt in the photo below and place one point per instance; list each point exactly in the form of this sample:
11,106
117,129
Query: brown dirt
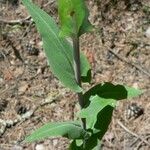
26,80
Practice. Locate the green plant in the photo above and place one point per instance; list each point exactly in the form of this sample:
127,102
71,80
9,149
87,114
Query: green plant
72,68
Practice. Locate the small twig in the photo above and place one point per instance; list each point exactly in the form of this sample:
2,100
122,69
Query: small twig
20,119
26,31
31,22
132,133
134,142
25,20
130,63
138,146
18,21
48,3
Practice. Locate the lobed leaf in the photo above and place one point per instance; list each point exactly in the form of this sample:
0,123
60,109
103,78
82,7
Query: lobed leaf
96,105
110,91
71,130
98,117
58,50
100,102
100,128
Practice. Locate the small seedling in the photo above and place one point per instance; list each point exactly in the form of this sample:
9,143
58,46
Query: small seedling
72,68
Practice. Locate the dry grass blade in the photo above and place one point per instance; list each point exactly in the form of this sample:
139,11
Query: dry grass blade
132,133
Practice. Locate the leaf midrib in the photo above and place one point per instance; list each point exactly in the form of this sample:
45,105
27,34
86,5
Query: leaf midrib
48,130
54,35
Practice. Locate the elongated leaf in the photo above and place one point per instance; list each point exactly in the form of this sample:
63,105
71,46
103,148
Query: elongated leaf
96,105
74,17
58,50
71,130
110,91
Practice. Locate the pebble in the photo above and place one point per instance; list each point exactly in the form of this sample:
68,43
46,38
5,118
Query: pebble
135,85
1,80
39,147
147,33
40,44
55,142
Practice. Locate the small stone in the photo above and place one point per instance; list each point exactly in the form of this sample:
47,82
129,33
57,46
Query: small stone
1,80
17,147
147,33
135,85
39,147
39,71
40,44
55,142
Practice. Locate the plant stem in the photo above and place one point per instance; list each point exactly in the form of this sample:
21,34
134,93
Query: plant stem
77,70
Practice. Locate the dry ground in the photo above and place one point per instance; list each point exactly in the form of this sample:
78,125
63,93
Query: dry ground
118,50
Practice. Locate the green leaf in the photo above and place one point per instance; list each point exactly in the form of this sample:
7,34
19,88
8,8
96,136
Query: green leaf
93,143
98,117
74,146
74,17
96,105
110,91
85,69
71,130
100,102
58,50
100,128
132,92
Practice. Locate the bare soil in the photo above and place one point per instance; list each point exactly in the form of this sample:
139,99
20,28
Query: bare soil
119,52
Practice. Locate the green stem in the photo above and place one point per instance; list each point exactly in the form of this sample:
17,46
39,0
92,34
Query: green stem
77,69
